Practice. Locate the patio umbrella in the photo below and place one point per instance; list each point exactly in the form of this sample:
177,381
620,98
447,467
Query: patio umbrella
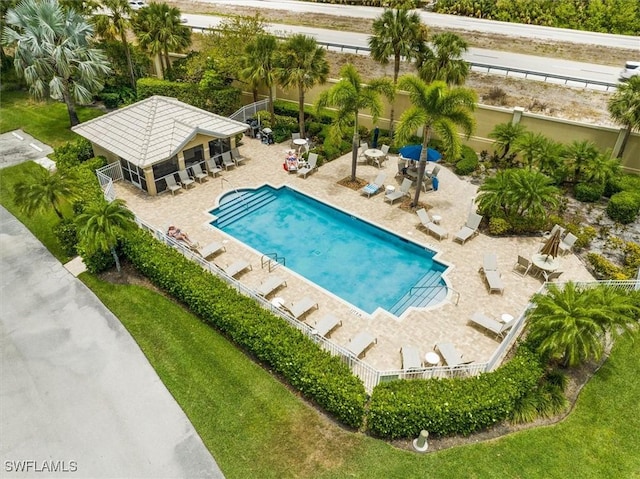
551,247
412,152
376,133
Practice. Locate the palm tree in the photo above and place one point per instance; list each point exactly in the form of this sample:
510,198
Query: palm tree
258,66
43,190
83,7
435,107
53,53
443,61
549,158
350,96
624,107
4,8
301,64
578,155
529,145
103,223
505,134
115,23
397,34
570,323
159,30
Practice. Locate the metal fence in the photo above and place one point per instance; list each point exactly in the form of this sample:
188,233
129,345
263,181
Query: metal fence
106,176
249,111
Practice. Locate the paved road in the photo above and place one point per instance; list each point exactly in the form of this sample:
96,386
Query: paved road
76,391
451,21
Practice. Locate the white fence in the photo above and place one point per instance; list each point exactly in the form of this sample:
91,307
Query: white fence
249,111
106,176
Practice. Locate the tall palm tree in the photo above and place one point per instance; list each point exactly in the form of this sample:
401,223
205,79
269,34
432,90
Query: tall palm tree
114,24
43,190
103,223
624,107
83,7
159,30
577,156
397,34
259,66
529,145
443,60
505,134
4,8
549,158
570,323
350,96
435,107
301,64
53,53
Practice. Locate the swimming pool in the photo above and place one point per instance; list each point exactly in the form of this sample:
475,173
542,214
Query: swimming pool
361,263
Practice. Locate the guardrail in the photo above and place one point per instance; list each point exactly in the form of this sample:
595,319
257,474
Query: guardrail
249,111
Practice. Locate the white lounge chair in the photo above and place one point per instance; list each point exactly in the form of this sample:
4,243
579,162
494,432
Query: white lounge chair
489,262
496,327
398,194
360,343
198,174
494,281
310,167
237,267
172,185
327,324
211,249
301,307
214,169
236,156
567,243
185,179
373,188
270,285
449,354
227,161
430,226
410,357
470,229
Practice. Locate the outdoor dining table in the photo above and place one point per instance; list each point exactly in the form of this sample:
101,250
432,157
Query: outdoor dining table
545,262
299,142
373,154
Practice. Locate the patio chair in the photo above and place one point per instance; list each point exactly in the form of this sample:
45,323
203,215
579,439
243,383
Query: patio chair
430,226
551,276
449,354
401,166
410,357
363,147
301,307
294,136
236,156
494,281
185,179
470,229
214,169
198,174
235,268
373,188
227,161
379,161
434,172
497,327
567,243
489,262
392,196
270,285
427,184
522,266
211,249
311,165
548,234
359,344
324,326
172,185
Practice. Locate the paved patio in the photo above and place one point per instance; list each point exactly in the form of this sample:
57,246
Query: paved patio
421,328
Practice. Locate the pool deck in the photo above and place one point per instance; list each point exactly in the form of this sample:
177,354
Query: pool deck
422,328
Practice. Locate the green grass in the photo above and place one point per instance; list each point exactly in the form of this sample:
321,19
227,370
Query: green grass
48,121
255,427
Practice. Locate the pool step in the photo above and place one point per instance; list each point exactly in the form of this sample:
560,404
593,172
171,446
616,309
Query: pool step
246,202
426,290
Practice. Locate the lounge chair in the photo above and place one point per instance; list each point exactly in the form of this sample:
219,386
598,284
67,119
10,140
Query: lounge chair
373,188
430,226
496,327
211,249
398,194
494,281
270,285
567,243
551,276
198,174
172,185
214,169
522,266
236,156
410,357
237,267
360,343
301,307
489,262
449,354
311,165
185,179
327,324
470,229
227,161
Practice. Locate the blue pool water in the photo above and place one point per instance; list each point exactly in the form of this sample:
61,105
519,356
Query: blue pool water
357,261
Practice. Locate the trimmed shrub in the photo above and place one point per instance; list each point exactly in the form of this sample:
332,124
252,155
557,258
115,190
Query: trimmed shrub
95,261
466,166
72,153
498,226
401,409
624,207
589,192
318,375
604,268
67,235
111,100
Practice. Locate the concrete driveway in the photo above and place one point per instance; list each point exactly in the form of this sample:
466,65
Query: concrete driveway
77,394
18,147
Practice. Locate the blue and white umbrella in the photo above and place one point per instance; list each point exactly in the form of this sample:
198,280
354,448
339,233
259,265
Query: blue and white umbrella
412,152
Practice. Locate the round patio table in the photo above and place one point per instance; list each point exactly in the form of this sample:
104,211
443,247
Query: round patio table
431,359
545,262
373,154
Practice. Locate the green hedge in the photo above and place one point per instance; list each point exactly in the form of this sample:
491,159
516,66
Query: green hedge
624,206
318,375
401,409
589,192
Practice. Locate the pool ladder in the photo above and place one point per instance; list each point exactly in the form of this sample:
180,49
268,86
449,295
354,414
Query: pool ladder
457,300
272,260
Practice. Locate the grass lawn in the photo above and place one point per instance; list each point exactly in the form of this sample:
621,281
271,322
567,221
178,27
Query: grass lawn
48,121
255,427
